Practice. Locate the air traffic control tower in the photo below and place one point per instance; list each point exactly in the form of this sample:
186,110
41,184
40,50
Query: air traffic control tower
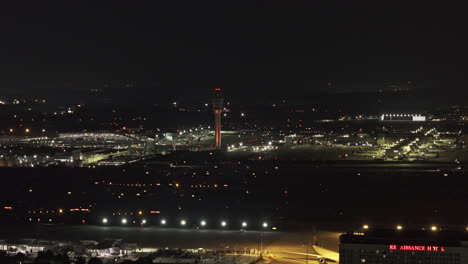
217,102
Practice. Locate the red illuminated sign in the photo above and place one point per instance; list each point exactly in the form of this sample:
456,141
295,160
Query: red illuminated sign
416,248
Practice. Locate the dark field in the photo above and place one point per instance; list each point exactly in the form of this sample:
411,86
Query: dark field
287,195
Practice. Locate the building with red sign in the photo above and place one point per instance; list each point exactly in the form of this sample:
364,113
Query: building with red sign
404,246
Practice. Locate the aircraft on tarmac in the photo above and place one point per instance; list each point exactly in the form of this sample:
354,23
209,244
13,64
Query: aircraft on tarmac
323,255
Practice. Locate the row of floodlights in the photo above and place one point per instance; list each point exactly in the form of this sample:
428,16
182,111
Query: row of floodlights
400,227
184,222
408,115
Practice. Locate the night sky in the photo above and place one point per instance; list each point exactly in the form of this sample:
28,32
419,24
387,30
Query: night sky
254,48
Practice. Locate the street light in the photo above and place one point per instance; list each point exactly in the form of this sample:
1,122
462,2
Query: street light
307,252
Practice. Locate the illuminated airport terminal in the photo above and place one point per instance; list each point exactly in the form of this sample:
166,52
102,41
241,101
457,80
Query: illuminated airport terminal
403,117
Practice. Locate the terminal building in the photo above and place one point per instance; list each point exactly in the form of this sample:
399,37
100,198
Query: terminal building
401,246
402,117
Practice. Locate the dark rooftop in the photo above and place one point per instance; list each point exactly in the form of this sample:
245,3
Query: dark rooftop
406,237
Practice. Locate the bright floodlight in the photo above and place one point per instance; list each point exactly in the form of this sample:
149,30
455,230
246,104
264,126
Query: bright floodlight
244,224
265,224
223,223
104,220
183,222
124,221
163,222
203,223
143,221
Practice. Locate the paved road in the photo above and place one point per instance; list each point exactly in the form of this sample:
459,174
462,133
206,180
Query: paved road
294,242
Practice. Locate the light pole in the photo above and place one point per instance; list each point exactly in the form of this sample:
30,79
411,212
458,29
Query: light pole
261,242
307,251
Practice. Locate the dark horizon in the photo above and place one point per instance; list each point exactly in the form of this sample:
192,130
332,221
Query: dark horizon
256,48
